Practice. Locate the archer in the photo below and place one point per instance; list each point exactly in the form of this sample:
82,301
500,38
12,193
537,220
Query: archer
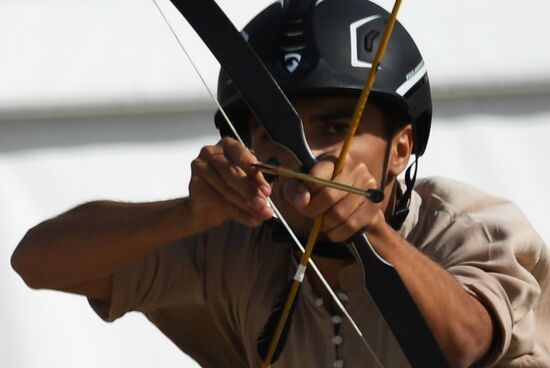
206,268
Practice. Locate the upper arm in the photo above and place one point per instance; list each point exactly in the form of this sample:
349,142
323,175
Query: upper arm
98,289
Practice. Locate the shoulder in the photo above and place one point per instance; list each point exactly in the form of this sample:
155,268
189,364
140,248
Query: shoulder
458,212
465,203
457,198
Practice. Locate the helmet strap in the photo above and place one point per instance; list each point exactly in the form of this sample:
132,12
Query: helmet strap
384,177
402,208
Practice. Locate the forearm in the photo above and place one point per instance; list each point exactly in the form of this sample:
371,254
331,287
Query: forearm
96,239
460,323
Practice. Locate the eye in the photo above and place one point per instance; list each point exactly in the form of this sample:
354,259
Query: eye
337,128
259,135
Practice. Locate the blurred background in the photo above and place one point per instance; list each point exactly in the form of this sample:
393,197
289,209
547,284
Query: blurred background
98,101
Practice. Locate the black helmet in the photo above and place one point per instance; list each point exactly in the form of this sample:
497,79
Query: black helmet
320,47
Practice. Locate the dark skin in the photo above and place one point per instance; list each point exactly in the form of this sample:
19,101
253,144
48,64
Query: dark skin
80,250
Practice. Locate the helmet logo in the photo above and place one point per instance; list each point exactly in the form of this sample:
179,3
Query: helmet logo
370,37
292,61
412,77
354,31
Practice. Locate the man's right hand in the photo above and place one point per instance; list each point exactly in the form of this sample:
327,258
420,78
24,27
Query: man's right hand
224,185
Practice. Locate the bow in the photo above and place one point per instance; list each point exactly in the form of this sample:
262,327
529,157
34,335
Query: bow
257,86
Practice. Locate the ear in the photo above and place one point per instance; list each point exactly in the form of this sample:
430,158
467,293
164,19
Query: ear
401,150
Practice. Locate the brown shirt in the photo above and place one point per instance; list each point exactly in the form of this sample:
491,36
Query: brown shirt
211,294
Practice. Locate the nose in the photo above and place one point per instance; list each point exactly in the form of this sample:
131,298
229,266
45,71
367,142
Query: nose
322,152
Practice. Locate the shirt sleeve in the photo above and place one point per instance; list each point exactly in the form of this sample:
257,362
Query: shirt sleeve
492,253
169,276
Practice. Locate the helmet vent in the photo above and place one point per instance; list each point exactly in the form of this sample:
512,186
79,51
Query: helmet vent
292,36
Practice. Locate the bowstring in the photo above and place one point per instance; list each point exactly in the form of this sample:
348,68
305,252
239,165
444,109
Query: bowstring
270,202
314,233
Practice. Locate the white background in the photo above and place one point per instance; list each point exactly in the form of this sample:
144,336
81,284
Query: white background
97,101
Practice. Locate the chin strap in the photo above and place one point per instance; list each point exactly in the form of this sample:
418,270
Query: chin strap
402,208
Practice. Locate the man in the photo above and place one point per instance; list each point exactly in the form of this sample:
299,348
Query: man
206,269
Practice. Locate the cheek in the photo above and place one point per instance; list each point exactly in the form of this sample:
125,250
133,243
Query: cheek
261,145
369,150
265,149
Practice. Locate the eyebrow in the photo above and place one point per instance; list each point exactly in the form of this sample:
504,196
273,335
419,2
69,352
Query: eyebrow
327,116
